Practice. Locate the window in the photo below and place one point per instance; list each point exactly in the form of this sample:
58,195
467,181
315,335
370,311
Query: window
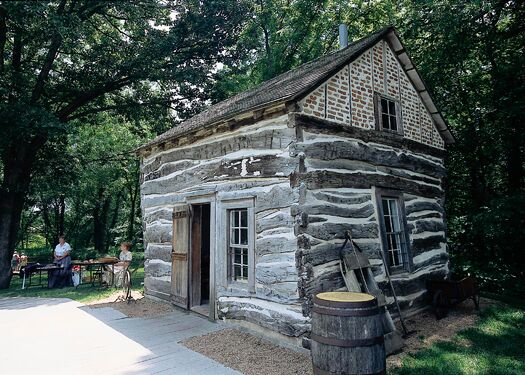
393,231
237,233
238,245
388,114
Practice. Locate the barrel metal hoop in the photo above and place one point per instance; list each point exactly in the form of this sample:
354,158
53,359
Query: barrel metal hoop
362,304
318,371
348,343
339,312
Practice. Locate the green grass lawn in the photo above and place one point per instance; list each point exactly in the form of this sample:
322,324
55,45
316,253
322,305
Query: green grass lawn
496,345
84,293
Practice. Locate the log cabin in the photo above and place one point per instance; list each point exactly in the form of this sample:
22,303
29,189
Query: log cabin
245,205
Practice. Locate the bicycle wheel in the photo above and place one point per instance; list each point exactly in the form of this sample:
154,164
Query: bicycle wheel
126,285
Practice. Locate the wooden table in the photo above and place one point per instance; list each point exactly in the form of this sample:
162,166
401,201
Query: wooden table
44,267
95,267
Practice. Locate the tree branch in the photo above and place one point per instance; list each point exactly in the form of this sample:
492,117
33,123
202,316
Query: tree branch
52,52
88,96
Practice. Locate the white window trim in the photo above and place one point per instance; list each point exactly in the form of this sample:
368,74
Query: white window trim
225,207
381,193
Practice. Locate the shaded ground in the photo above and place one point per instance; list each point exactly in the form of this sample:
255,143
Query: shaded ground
249,354
252,355
496,345
141,307
428,330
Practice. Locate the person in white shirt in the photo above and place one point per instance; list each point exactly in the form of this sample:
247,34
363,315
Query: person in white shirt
125,258
62,257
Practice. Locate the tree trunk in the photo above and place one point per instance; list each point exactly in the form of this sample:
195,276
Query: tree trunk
18,161
114,220
515,171
100,218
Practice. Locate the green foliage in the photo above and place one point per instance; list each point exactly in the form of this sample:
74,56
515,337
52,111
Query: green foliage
146,66
62,64
472,56
495,346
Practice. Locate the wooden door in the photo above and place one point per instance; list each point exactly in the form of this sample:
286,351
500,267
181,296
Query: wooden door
179,255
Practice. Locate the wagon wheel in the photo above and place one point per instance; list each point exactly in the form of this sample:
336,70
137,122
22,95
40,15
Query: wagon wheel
440,304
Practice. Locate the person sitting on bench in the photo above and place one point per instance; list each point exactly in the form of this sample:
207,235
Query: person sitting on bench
62,257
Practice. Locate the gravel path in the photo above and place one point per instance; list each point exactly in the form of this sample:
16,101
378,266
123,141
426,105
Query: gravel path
249,354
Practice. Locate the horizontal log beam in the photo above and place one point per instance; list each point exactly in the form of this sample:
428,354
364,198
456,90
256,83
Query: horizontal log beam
322,126
330,179
332,150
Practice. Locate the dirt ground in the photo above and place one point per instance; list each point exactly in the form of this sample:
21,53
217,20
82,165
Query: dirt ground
253,355
141,307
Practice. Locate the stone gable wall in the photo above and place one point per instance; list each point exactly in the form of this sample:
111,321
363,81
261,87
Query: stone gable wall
348,96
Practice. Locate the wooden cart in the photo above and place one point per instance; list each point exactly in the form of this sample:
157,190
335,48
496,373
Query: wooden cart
444,294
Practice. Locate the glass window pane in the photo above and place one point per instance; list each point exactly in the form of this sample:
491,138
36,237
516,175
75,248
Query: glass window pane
384,105
236,236
395,214
244,218
392,107
244,236
393,123
245,272
237,272
238,256
386,124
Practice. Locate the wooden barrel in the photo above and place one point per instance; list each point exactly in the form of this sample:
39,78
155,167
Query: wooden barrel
347,334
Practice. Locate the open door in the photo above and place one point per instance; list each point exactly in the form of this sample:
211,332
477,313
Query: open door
179,255
199,287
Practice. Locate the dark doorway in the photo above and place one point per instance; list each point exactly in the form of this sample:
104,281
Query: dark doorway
200,259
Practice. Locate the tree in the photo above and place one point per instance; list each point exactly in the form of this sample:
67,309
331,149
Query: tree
64,60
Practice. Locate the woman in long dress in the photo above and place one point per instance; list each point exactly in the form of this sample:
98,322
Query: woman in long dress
124,257
62,257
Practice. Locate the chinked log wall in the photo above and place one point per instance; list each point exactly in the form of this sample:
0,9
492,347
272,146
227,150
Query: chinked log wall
248,161
339,167
311,179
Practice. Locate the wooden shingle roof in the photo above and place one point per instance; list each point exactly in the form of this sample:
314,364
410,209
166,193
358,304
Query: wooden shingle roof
295,84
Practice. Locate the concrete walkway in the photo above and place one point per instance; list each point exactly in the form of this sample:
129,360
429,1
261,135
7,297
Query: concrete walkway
61,336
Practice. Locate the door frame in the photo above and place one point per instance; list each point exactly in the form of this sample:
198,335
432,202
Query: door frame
211,200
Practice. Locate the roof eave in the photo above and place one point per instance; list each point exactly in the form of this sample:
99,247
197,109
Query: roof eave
419,84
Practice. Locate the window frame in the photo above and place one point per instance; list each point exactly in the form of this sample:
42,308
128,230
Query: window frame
379,113
233,245
227,207
381,194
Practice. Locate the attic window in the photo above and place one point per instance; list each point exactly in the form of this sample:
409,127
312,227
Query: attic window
388,114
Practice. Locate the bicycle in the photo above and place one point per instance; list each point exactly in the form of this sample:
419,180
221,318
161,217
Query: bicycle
126,285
